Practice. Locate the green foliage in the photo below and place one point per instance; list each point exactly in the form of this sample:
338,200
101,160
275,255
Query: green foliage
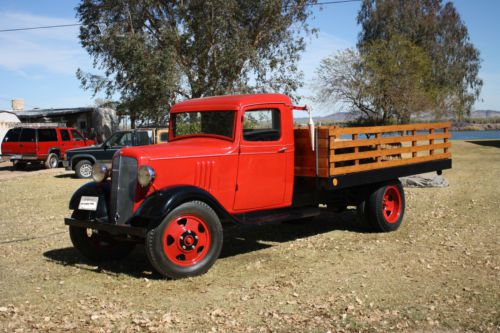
438,31
154,53
412,57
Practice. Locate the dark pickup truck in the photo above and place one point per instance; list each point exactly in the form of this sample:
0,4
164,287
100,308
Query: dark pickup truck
81,160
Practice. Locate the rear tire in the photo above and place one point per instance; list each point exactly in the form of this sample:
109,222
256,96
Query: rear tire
384,209
187,242
83,169
52,161
97,245
18,165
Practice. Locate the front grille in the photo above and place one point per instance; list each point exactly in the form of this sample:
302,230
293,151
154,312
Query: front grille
123,184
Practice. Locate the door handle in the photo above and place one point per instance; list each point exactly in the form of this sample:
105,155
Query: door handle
282,150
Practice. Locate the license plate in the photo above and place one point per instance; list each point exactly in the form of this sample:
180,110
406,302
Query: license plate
88,203
16,157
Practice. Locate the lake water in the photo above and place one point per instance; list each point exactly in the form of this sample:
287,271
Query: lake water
474,135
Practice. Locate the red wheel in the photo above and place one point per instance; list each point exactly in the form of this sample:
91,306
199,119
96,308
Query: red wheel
385,207
187,242
391,205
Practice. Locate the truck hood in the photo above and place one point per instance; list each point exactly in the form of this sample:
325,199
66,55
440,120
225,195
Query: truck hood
84,149
184,148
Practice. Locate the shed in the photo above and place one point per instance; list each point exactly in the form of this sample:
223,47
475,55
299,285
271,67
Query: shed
8,119
94,122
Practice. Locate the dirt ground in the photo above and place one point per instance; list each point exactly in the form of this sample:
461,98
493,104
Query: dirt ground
439,272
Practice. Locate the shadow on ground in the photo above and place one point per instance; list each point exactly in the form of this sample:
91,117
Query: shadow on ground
28,168
237,240
488,143
67,175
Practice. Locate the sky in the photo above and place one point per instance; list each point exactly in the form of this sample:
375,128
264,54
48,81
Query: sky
39,65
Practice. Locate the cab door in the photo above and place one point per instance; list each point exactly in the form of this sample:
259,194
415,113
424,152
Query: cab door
261,179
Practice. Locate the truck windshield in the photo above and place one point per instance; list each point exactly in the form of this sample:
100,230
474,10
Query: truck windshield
207,123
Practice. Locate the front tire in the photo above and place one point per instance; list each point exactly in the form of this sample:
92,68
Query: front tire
97,245
187,242
83,169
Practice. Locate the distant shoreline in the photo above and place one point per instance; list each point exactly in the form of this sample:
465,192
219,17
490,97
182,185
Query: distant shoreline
477,127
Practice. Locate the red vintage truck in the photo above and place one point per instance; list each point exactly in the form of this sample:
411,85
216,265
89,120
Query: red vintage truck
239,159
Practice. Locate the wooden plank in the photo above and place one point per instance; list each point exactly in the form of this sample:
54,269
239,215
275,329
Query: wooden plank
414,142
356,149
386,152
311,172
378,136
310,161
385,129
305,142
391,139
323,133
386,164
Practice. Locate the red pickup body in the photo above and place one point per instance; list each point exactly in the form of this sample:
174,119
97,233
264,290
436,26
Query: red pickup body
242,175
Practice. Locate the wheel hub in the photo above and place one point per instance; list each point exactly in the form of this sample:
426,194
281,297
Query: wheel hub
188,240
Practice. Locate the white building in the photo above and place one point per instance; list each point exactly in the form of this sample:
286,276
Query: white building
8,119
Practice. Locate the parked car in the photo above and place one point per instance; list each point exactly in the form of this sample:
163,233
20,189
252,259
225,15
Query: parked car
81,160
42,145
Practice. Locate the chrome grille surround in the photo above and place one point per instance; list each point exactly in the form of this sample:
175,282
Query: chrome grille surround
123,186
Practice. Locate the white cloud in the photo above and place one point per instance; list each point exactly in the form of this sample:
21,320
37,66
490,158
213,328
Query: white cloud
55,51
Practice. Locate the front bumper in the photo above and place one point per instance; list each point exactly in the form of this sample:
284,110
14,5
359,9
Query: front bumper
18,157
98,224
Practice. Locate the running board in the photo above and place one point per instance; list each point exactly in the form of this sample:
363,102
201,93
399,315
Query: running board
275,216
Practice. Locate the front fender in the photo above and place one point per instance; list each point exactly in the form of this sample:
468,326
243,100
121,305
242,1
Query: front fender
93,189
158,205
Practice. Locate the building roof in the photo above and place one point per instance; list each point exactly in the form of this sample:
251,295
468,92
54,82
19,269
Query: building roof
8,116
36,113
230,102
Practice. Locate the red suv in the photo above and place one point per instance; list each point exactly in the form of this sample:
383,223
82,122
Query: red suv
40,145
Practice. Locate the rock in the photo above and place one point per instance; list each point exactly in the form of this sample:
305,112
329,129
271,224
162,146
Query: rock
424,180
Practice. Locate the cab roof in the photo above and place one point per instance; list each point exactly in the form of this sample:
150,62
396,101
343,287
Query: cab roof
230,102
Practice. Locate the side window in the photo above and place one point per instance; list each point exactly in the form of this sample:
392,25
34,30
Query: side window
164,137
126,139
64,135
12,135
47,134
76,135
143,138
28,135
262,125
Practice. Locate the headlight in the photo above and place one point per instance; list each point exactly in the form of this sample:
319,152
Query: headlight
100,172
146,175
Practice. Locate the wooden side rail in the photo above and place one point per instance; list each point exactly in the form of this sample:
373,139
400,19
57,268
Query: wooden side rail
376,147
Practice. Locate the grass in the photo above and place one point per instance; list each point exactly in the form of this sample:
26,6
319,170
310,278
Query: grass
438,272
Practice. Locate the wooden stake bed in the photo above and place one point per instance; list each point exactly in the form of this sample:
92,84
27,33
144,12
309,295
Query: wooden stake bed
346,150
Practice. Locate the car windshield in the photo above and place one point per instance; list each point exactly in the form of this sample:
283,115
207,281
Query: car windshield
207,123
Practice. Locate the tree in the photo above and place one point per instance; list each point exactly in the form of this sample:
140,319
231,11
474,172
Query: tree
437,30
387,82
155,52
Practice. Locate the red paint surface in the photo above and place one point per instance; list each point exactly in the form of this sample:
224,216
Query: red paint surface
391,206
40,150
243,176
